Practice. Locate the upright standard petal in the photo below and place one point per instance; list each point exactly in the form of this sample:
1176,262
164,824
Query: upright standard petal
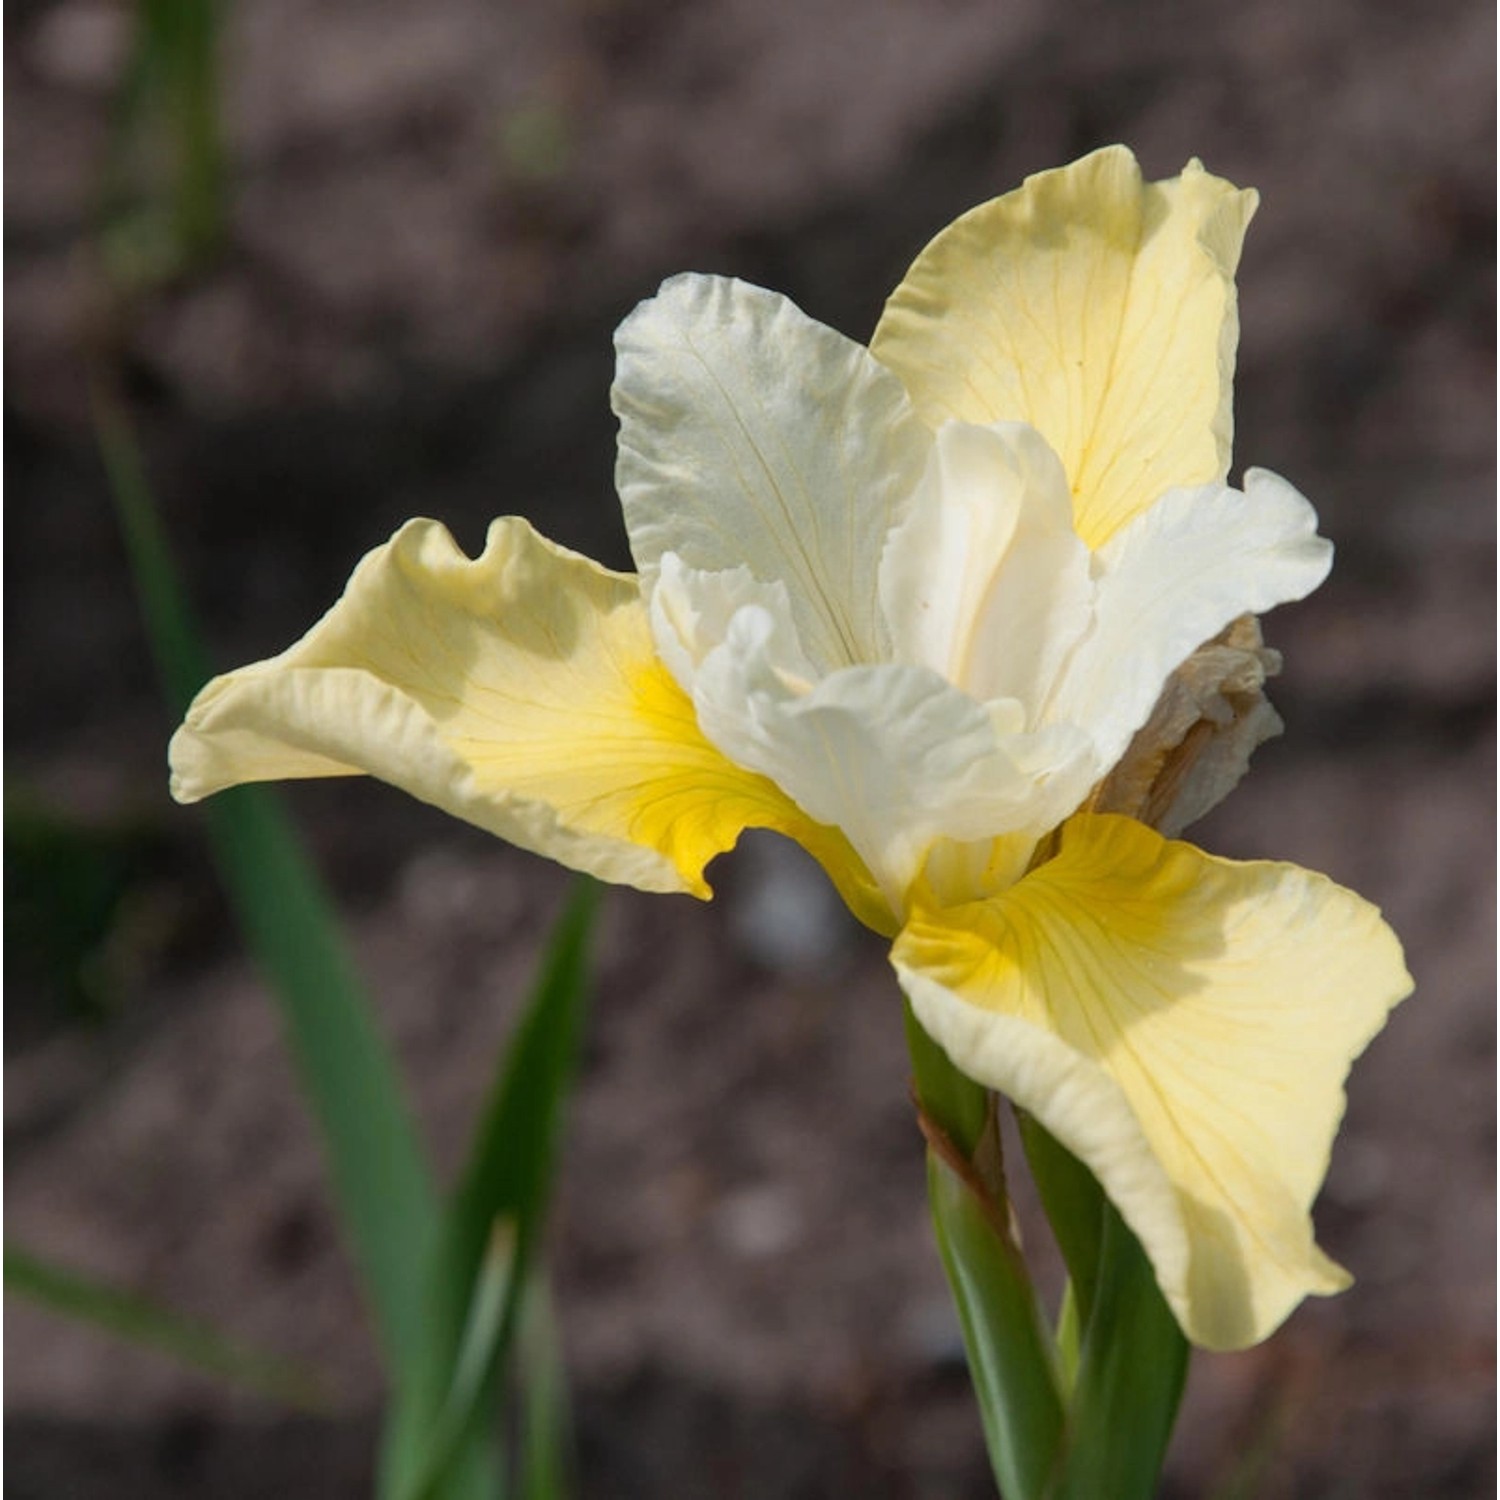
1095,306
1171,580
518,690
1184,1024
752,435
985,580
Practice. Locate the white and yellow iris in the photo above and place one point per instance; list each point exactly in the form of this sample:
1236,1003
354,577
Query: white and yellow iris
909,605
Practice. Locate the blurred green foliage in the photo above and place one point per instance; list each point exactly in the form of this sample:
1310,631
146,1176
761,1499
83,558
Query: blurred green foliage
537,141
490,1234
85,910
128,1315
163,196
445,1284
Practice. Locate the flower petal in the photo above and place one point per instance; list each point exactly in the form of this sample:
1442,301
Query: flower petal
692,611
893,756
1184,1025
985,580
519,691
752,435
1172,579
1097,307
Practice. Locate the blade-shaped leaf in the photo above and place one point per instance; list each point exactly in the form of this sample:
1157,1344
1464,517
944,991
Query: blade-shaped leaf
957,1105
1074,1204
492,1225
546,1424
163,181
1069,1341
1010,1359
139,1320
1131,1373
381,1184
1131,1355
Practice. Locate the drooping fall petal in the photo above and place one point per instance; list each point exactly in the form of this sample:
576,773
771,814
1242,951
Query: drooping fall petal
1097,307
1184,1025
520,691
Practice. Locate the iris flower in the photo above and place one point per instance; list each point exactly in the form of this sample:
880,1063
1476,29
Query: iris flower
959,612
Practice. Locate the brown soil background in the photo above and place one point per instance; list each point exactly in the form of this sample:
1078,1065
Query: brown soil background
412,319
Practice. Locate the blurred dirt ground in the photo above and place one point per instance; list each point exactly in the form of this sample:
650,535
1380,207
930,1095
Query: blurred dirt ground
439,213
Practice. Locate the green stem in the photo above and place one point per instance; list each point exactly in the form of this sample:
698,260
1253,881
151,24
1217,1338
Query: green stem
1131,1360
1131,1375
1074,1204
1069,1340
1012,1358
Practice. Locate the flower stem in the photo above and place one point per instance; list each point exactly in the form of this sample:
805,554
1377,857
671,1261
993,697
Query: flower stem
1012,1358
1131,1357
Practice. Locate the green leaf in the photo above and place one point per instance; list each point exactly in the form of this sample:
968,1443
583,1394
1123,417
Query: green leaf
139,1320
1069,1341
181,660
958,1106
1131,1355
163,187
492,1226
1012,1358
380,1180
1131,1373
1074,1204
80,901
546,1425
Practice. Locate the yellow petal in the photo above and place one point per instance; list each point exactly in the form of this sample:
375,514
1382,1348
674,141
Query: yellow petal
1184,1024
1097,307
519,691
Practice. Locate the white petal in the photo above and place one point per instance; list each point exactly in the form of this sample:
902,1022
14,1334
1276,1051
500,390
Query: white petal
691,612
892,755
985,580
1171,579
750,434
